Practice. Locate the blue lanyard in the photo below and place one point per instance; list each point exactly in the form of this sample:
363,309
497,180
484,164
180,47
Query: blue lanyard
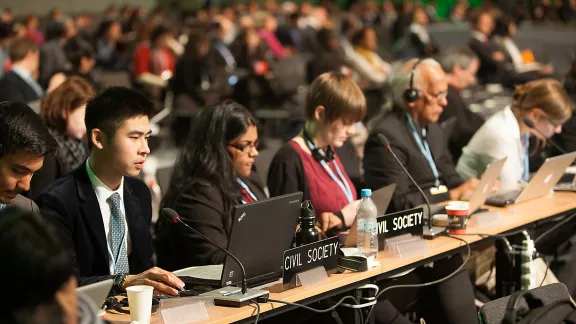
526,176
423,145
247,190
342,183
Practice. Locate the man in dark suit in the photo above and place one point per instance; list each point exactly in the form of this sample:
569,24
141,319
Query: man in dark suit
417,140
19,84
102,213
492,59
460,65
24,142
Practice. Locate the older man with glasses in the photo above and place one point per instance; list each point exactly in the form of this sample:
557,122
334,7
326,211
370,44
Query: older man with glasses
419,90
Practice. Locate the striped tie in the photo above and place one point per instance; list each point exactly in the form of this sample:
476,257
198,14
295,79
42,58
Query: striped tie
117,233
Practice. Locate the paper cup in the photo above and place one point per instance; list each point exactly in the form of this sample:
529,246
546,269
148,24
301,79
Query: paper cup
457,217
140,300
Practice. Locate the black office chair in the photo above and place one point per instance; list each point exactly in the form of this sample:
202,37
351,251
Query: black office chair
494,311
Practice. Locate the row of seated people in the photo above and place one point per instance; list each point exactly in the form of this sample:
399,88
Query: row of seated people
214,173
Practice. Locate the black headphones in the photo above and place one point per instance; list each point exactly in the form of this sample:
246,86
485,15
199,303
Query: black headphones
317,153
112,303
411,94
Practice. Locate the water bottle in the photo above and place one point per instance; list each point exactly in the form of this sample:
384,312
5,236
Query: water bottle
307,233
367,241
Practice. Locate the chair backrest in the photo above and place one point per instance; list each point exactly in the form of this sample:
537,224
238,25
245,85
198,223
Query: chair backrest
493,312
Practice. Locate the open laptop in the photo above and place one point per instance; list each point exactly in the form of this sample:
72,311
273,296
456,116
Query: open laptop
381,198
485,185
541,183
96,292
261,232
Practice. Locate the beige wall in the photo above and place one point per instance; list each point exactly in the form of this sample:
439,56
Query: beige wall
41,7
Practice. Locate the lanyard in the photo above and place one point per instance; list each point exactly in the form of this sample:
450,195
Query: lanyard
341,182
2,206
247,190
526,175
423,145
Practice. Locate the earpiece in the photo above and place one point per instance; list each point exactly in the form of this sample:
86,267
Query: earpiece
411,94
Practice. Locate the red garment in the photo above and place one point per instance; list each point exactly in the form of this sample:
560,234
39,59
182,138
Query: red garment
246,196
325,194
154,61
273,43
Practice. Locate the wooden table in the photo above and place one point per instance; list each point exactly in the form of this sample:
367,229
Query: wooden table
512,217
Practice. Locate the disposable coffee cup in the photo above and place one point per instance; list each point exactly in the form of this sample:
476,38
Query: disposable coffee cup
457,217
140,301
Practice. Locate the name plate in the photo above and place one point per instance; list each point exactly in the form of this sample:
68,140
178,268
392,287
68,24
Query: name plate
323,253
409,221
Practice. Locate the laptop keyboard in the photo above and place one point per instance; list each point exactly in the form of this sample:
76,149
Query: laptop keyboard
565,186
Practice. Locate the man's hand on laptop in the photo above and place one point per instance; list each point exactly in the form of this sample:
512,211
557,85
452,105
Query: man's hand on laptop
162,281
465,190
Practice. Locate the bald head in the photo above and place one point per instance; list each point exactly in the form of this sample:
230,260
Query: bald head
430,81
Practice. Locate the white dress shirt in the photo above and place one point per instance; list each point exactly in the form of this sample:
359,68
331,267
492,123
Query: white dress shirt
498,138
103,193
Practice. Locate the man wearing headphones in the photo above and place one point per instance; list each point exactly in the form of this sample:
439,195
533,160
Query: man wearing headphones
419,91
24,142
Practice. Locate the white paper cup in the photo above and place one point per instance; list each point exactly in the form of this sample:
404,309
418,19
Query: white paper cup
140,300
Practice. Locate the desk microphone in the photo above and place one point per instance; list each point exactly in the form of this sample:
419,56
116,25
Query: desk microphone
225,296
531,125
430,232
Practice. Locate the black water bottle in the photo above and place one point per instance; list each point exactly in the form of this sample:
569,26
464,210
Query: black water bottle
307,233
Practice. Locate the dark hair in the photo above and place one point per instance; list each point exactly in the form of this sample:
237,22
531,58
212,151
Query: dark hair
56,30
359,36
108,110
205,160
104,27
326,37
157,32
502,27
75,49
60,103
36,264
194,40
20,47
22,129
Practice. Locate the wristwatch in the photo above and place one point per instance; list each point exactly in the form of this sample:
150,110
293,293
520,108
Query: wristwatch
119,280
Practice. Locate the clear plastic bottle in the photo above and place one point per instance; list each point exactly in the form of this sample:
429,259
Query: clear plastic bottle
367,238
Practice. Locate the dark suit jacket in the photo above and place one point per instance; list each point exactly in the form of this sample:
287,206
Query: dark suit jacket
490,70
380,168
466,124
71,205
424,49
52,60
14,88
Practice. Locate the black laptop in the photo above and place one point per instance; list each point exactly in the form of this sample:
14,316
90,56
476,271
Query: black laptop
261,232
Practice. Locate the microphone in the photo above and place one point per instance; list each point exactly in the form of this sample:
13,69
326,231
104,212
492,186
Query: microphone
228,298
432,232
531,125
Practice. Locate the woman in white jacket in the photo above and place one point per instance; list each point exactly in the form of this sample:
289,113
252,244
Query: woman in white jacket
505,134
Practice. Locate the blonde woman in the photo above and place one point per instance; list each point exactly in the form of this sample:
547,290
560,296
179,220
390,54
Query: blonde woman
506,134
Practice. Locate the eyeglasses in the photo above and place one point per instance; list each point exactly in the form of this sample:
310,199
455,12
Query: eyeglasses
437,96
245,148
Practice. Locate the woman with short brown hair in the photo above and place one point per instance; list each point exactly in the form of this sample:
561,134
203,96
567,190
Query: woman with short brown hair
63,113
308,162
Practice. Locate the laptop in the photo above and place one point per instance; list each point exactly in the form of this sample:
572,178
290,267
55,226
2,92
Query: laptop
96,292
480,193
381,198
541,183
261,232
